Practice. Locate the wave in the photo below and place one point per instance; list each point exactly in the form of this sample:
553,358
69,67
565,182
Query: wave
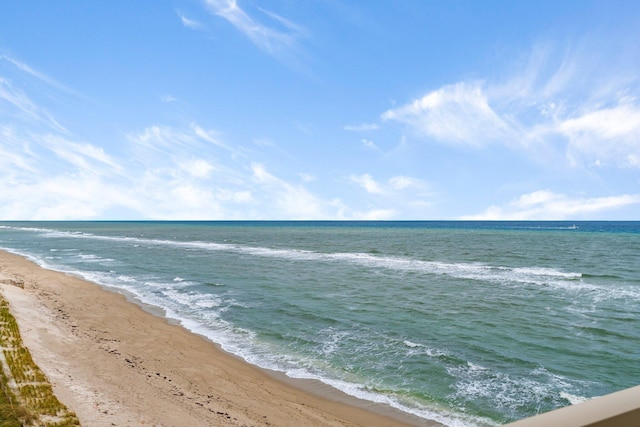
514,394
569,283
573,399
200,314
548,227
502,275
603,276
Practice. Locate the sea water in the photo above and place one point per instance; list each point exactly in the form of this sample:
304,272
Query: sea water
466,323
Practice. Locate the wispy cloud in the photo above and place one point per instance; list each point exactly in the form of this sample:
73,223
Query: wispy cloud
198,168
370,145
284,22
548,205
159,144
21,107
393,185
163,173
367,182
291,201
275,40
305,177
376,215
25,68
605,135
158,172
166,173
62,196
16,156
363,127
190,23
168,98
17,99
559,101
406,182
84,156
458,113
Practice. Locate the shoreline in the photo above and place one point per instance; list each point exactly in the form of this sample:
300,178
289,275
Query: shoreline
113,361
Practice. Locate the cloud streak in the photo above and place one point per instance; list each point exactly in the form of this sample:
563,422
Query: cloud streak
363,127
190,23
546,104
161,172
394,184
400,193
18,105
458,114
24,68
173,174
270,39
548,205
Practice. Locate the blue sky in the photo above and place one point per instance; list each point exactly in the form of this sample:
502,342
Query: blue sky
289,109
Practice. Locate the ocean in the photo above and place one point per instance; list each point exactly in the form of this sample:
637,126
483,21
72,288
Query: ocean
465,323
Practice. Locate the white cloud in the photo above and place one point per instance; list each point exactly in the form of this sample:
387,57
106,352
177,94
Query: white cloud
367,182
261,174
566,105
15,155
409,196
21,107
16,98
64,196
457,113
170,194
370,145
606,123
305,177
24,68
288,200
155,137
83,156
607,135
376,215
173,174
190,23
271,40
198,168
284,21
156,172
547,205
166,145
264,142
363,127
405,182
209,136
397,183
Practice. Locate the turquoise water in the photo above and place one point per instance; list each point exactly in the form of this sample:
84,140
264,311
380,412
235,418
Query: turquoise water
467,323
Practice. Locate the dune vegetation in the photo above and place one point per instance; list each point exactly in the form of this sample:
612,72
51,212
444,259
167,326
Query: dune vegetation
26,396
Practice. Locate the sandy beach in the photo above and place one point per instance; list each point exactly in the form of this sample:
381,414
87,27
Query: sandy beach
115,364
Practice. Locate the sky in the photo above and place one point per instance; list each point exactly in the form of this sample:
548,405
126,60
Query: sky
320,109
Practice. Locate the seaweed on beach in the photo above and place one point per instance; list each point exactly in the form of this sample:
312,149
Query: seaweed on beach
26,396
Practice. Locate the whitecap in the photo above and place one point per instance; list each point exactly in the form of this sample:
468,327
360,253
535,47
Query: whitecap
573,399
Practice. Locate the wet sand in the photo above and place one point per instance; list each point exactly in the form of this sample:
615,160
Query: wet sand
115,364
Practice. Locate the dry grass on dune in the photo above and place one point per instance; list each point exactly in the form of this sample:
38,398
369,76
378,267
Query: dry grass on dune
26,396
